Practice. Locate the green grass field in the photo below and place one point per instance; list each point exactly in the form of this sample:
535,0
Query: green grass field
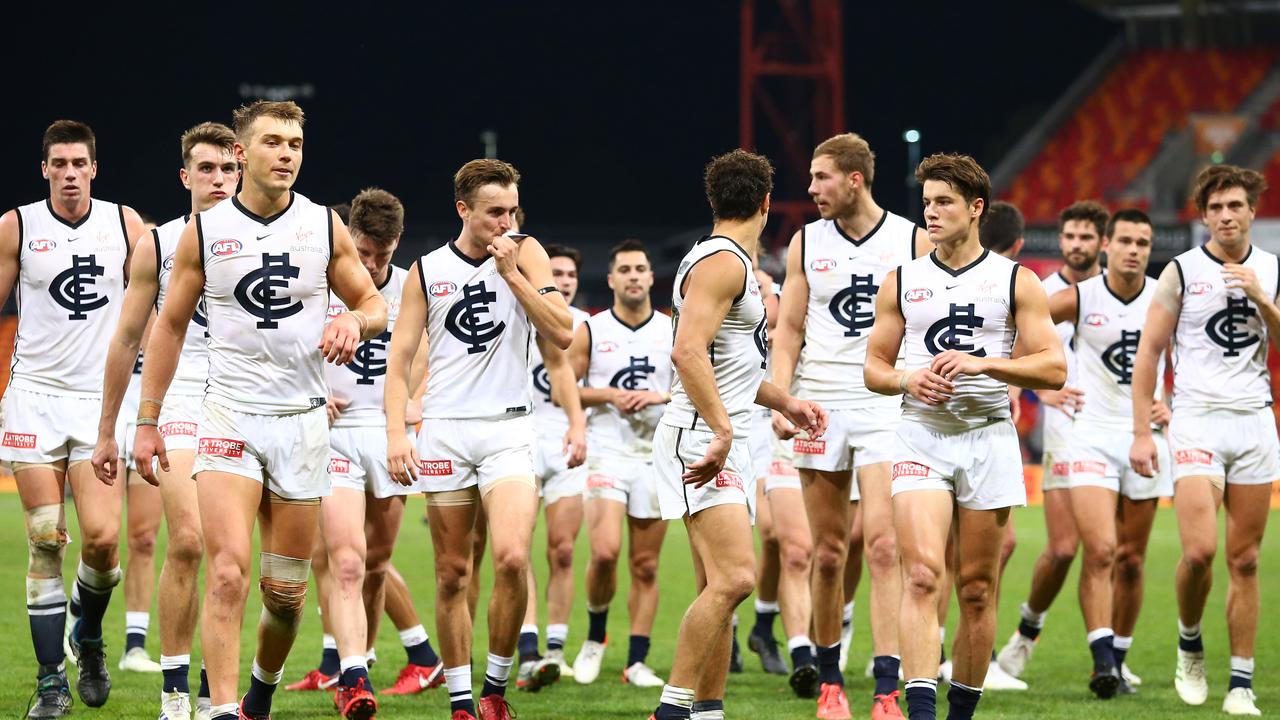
1057,675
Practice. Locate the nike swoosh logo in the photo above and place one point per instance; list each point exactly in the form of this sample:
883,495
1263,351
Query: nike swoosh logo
264,237
72,239
953,287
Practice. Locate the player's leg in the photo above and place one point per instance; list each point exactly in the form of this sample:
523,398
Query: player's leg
1134,519
342,525
1050,572
324,675
453,516
288,530
511,504
1248,507
768,581
604,531
826,500
143,512
228,504
979,538
721,535
564,520
479,540
40,491
795,548
423,668
922,519
644,547
881,551
1195,502
177,601
1094,507
98,511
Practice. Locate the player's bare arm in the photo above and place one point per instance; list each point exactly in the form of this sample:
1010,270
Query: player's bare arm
527,271
9,232
710,289
186,285
564,393
804,414
879,372
579,359
787,333
1064,306
133,228
122,353
1243,277
1042,364
1162,320
418,380
406,338
367,317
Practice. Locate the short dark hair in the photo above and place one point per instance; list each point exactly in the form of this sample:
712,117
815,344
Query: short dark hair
207,133
1087,211
629,245
1132,215
962,173
478,173
1217,178
245,115
343,210
378,215
737,183
1002,228
557,250
70,131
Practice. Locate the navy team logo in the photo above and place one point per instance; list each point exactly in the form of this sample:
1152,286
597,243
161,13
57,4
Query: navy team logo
1223,330
634,375
466,319
1118,357
256,291
74,288
542,381
847,307
955,331
761,336
370,360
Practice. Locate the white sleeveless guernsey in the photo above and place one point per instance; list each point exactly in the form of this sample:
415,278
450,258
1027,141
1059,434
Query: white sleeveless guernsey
844,276
971,310
361,381
192,373
1220,344
630,358
549,419
1057,421
1107,332
71,279
737,351
266,290
478,359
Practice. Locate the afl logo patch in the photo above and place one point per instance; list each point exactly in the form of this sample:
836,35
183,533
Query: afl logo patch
335,310
1095,320
1199,288
822,265
42,245
918,295
223,248
442,289
606,346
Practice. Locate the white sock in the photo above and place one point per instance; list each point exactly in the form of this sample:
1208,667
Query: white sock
498,669
458,680
767,607
1033,618
232,709
330,642
353,661
1188,632
1242,667
848,613
173,662
557,633
1122,643
270,678
415,635
1099,634
677,696
942,632
528,629
136,623
798,641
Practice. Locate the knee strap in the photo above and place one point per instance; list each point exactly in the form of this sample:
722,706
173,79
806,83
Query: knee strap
284,589
46,540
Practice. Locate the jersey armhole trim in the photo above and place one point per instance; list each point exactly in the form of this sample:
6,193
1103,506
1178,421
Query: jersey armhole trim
1077,322
1182,281
684,281
17,212
155,237
591,344
804,238
124,230
422,276
329,216
898,293
1277,295
1013,290
200,240
911,241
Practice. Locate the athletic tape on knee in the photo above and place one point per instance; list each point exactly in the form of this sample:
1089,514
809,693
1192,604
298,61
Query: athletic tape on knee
98,580
46,593
46,540
284,589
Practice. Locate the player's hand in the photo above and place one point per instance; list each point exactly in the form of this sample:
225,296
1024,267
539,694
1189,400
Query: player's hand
505,252
413,412
637,400
806,415
574,447
1160,413
334,407
1242,277
1015,404
402,459
928,386
951,364
782,427
712,463
105,457
1143,457
340,340
1069,399
148,444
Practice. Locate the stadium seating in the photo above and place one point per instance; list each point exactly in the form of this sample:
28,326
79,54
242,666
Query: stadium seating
1116,132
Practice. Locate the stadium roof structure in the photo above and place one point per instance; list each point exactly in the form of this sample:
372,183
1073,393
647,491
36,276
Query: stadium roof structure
1193,23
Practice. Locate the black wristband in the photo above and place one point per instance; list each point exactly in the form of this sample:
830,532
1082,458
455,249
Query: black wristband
548,289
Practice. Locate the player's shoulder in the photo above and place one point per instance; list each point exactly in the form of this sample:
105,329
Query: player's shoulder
598,319
1264,256
579,315
661,320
